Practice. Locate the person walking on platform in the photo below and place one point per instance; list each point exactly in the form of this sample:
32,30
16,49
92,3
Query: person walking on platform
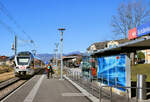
48,70
51,71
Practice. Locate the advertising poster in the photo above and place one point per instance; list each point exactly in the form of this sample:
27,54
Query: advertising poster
143,29
112,71
132,34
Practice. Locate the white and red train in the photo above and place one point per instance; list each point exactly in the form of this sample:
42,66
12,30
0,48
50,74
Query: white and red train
26,64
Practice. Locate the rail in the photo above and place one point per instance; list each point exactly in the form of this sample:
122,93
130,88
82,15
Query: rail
8,82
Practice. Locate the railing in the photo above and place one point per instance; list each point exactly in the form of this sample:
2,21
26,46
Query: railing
127,88
100,91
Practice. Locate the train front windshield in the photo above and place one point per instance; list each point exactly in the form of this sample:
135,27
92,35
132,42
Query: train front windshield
23,60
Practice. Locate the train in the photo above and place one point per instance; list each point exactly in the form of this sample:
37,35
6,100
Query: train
26,64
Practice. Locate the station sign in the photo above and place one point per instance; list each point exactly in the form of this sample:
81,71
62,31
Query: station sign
143,29
132,34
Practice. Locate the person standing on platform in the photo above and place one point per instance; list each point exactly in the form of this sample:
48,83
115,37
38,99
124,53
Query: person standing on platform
93,73
48,70
51,71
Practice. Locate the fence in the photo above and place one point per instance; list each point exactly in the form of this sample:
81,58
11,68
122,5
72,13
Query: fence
100,91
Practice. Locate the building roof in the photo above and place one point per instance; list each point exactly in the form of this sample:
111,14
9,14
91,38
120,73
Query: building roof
68,57
3,58
102,45
128,47
98,45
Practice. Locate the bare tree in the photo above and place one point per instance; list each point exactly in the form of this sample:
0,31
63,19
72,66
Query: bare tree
130,15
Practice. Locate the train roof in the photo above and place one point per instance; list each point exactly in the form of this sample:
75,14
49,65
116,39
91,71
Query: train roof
28,53
25,53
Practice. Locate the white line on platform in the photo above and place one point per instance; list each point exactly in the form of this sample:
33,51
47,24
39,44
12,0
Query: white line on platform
33,92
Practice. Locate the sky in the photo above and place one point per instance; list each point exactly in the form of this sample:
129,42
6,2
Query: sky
85,21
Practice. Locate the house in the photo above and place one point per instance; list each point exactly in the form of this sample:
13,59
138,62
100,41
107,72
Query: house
106,44
72,60
97,46
147,55
3,60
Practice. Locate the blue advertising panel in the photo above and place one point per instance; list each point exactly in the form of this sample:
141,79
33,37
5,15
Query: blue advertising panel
143,29
112,71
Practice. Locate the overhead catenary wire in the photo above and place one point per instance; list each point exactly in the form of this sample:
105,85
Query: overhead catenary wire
5,11
8,14
10,30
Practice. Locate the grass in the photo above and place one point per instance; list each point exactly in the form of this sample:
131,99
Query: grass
6,72
5,68
6,76
140,69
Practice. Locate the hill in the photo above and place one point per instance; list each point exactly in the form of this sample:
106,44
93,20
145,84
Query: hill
45,56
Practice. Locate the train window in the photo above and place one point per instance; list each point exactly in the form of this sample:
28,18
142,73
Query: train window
23,60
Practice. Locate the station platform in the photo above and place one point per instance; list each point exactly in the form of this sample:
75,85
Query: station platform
41,89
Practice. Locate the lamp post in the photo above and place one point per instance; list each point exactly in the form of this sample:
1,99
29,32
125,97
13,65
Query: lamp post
56,54
61,53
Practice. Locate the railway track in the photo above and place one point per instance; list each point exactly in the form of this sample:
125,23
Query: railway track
8,82
9,86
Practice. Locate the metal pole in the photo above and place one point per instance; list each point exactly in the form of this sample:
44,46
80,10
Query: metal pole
56,57
111,94
56,62
100,96
61,76
137,95
73,75
15,44
61,55
116,76
76,75
92,86
128,95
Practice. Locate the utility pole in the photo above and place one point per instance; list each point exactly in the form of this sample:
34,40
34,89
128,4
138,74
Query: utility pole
61,53
14,47
15,44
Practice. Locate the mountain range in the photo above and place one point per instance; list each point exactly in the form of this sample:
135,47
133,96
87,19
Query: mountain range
46,56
